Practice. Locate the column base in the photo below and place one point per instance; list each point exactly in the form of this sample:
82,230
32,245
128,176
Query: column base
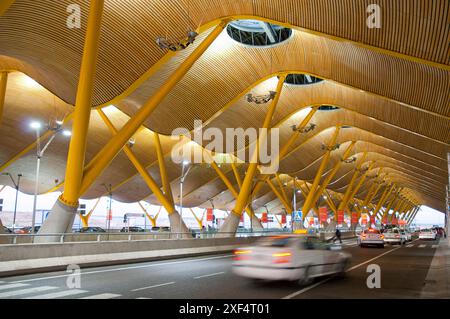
256,224
229,227
177,225
60,220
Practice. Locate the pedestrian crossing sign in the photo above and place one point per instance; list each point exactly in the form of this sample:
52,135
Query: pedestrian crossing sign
298,216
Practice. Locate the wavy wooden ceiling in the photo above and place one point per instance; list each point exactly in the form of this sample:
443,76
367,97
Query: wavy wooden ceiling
392,85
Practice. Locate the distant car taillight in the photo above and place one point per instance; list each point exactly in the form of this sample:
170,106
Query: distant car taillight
240,254
382,236
282,258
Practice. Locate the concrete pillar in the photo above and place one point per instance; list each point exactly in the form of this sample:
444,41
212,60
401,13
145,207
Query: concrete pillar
229,226
177,225
256,224
60,221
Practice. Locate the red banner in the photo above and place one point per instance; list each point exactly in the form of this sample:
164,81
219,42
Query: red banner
323,214
394,221
402,222
209,215
242,217
384,220
372,219
355,218
340,216
283,219
311,221
364,219
264,218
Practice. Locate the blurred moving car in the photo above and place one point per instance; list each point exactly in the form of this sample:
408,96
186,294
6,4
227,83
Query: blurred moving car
91,230
294,258
394,236
132,229
6,230
427,234
27,230
371,237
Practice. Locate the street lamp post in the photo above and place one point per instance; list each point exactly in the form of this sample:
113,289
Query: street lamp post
39,154
109,215
16,186
184,173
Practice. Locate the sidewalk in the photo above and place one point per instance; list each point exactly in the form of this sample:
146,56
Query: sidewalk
437,282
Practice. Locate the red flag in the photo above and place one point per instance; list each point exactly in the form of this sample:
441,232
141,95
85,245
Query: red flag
340,216
264,218
394,221
355,218
209,215
311,221
364,219
372,219
283,219
323,214
384,220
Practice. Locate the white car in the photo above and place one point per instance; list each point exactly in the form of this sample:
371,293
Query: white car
371,237
427,234
408,234
395,236
290,257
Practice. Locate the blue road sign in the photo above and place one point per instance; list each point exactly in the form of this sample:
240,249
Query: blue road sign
298,216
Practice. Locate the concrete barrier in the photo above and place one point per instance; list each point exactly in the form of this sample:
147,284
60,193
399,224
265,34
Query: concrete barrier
33,258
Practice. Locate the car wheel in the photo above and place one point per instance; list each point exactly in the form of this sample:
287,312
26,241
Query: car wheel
306,279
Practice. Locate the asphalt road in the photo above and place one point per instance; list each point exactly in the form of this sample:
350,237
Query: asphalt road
403,274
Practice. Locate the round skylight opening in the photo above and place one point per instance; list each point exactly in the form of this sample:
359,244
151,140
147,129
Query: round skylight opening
301,79
257,33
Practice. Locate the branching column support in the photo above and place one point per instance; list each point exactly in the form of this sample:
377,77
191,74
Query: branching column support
3,83
309,202
85,218
150,218
347,197
231,223
4,6
112,148
389,189
162,168
360,183
199,220
280,196
61,217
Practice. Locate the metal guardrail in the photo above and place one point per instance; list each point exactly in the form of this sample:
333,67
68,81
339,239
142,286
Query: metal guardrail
6,239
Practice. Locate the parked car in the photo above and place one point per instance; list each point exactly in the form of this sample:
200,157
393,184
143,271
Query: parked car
407,234
290,257
27,230
6,230
394,236
91,230
427,234
133,229
371,237
160,229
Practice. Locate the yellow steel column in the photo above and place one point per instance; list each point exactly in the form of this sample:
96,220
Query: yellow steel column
77,148
399,204
244,193
284,150
312,193
383,198
333,172
168,205
283,192
347,197
236,175
360,183
4,6
3,83
283,201
85,219
112,148
152,219
330,201
162,168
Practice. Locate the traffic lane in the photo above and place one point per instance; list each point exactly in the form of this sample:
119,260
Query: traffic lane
403,274
123,279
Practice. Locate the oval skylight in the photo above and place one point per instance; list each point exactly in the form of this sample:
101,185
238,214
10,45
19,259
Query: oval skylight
257,33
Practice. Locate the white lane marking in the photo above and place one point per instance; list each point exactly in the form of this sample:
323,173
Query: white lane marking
325,280
124,268
12,286
154,286
305,289
60,294
435,246
102,296
422,246
210,275
410,245
26,291
143,298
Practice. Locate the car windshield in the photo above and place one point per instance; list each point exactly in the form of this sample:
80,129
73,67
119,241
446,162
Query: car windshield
276,241
371,231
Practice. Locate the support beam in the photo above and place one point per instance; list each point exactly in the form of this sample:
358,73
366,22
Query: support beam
176,223
152,219
232,221
85,219
309,202
3,84
388,190
347,197
199,220
280,196
61,217
5,5
162,168
236,175
360,183
112,148
283,192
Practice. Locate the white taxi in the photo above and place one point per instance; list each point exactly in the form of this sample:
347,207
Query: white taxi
290,257
427,234
371,237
